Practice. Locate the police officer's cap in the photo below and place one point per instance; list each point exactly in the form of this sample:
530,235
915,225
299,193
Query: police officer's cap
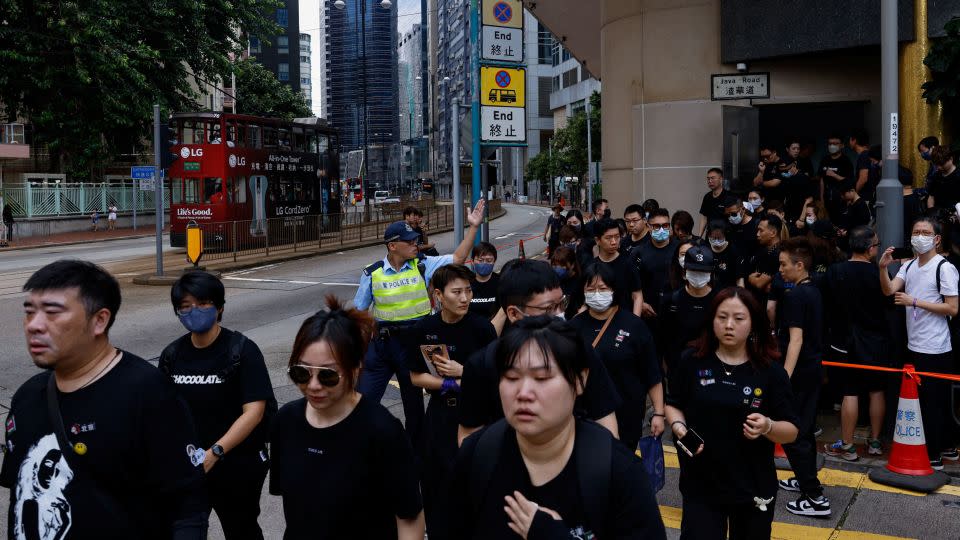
400,231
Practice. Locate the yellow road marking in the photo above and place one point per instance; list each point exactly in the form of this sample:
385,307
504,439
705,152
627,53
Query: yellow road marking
786,531
394,383
831,477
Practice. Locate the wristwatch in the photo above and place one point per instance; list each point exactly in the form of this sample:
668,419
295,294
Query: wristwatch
217,451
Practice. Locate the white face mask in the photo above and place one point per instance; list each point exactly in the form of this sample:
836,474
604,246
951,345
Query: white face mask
810,220
599,300
716,243
680,260
698,280
735,219
756,203
921,244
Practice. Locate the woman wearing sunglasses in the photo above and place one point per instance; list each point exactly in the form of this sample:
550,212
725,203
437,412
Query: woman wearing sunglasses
341,462
540,472
223,379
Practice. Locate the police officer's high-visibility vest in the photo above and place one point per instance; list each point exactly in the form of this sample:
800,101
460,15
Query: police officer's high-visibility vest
398,297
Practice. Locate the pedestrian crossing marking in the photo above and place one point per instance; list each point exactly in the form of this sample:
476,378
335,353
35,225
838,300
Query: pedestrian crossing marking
831,477
786,531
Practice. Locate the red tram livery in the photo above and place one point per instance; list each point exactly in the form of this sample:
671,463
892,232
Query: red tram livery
234,167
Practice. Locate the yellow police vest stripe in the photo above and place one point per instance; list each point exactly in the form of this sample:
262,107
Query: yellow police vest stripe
401,296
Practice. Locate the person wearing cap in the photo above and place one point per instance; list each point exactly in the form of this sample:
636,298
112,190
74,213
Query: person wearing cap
395,288
686,308
626,347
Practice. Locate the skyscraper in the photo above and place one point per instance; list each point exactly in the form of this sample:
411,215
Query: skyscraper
414,106
306,84
282,54
361,82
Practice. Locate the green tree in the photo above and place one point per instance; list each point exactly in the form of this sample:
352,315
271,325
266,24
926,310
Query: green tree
570,142
260,93
86,73
944,63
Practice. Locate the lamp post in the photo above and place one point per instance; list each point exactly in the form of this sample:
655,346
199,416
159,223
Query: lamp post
364,185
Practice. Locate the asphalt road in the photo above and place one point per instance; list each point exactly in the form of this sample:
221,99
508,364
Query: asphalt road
268,303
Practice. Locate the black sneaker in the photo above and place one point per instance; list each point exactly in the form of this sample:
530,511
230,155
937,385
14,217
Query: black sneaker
950,455
805,506
789,484
817,430
936,464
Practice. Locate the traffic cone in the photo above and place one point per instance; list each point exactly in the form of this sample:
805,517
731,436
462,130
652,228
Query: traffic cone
780,460
909,464
520,253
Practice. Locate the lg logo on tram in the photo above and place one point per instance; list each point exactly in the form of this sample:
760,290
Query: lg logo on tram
234,161
191,152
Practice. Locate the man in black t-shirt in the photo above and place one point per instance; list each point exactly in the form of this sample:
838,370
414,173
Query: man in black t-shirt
743,226
834,170
768,179
485,281
637,230
714,201
945,185
859,142
414,217
652,262
856,213
802,321
765,261
98,445
608,252
528,288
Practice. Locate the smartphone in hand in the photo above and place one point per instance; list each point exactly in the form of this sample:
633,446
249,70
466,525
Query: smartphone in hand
902,253
690,442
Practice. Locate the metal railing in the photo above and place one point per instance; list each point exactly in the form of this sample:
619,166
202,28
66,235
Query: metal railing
59,199
12,134
232,239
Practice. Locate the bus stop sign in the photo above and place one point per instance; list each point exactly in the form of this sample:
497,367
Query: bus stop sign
194,243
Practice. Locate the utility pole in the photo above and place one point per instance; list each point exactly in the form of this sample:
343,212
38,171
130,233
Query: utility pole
589,160
889,191
475,98
157,187
455,160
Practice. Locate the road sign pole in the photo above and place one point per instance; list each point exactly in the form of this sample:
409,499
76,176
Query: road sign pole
589,160
889,190
475,99
455,160
157,188
136,197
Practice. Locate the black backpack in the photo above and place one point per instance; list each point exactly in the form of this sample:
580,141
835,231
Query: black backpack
237,341
594,447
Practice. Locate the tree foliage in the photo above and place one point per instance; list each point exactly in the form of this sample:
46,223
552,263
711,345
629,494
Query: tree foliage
260,93
944,63
569,147
86,73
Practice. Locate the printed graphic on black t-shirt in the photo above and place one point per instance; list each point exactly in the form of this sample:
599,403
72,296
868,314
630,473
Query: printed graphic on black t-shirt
484,301
216,387
138,457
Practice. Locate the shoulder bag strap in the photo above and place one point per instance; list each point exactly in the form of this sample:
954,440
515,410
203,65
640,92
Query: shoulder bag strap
594,450
484,462
56,420
604,329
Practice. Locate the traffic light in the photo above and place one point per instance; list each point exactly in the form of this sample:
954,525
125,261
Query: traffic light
168,138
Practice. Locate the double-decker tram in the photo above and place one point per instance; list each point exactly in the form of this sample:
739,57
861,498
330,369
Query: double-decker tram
258,174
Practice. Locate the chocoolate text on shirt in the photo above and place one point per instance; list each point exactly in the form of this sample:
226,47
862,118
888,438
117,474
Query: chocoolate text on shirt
197,379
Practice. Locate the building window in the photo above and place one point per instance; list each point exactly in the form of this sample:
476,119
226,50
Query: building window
556,83
283,17
283,45
305,80
305,59
283,72
571,77
545,43
254,45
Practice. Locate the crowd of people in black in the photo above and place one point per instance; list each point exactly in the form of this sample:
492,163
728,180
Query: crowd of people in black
542,378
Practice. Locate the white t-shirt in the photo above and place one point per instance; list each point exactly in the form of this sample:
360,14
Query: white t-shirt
928,332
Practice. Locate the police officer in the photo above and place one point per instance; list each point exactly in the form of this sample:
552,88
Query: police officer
396,288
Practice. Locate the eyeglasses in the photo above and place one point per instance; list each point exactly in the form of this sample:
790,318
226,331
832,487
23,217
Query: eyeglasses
552,308
185,309
660,226
300,374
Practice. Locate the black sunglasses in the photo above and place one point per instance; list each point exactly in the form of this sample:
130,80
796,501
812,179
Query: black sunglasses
300,374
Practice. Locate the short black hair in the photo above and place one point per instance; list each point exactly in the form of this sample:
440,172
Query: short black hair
449,272
659,212
683,220
717,170
554,337
603,226
521,279
862,137
650,205
484,248
768,146
929,142
596,204
603,271
799,251
773,221
573,212
732,200
716,225
95,286
633,209
412,211
836,136
203,286
860,239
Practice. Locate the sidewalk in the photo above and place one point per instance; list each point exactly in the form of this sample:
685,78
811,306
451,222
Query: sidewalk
79,237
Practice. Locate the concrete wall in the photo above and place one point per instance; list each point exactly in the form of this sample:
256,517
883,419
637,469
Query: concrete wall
661,131
45,227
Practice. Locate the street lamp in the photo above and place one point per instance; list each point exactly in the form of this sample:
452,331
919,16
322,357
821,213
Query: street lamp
384,4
